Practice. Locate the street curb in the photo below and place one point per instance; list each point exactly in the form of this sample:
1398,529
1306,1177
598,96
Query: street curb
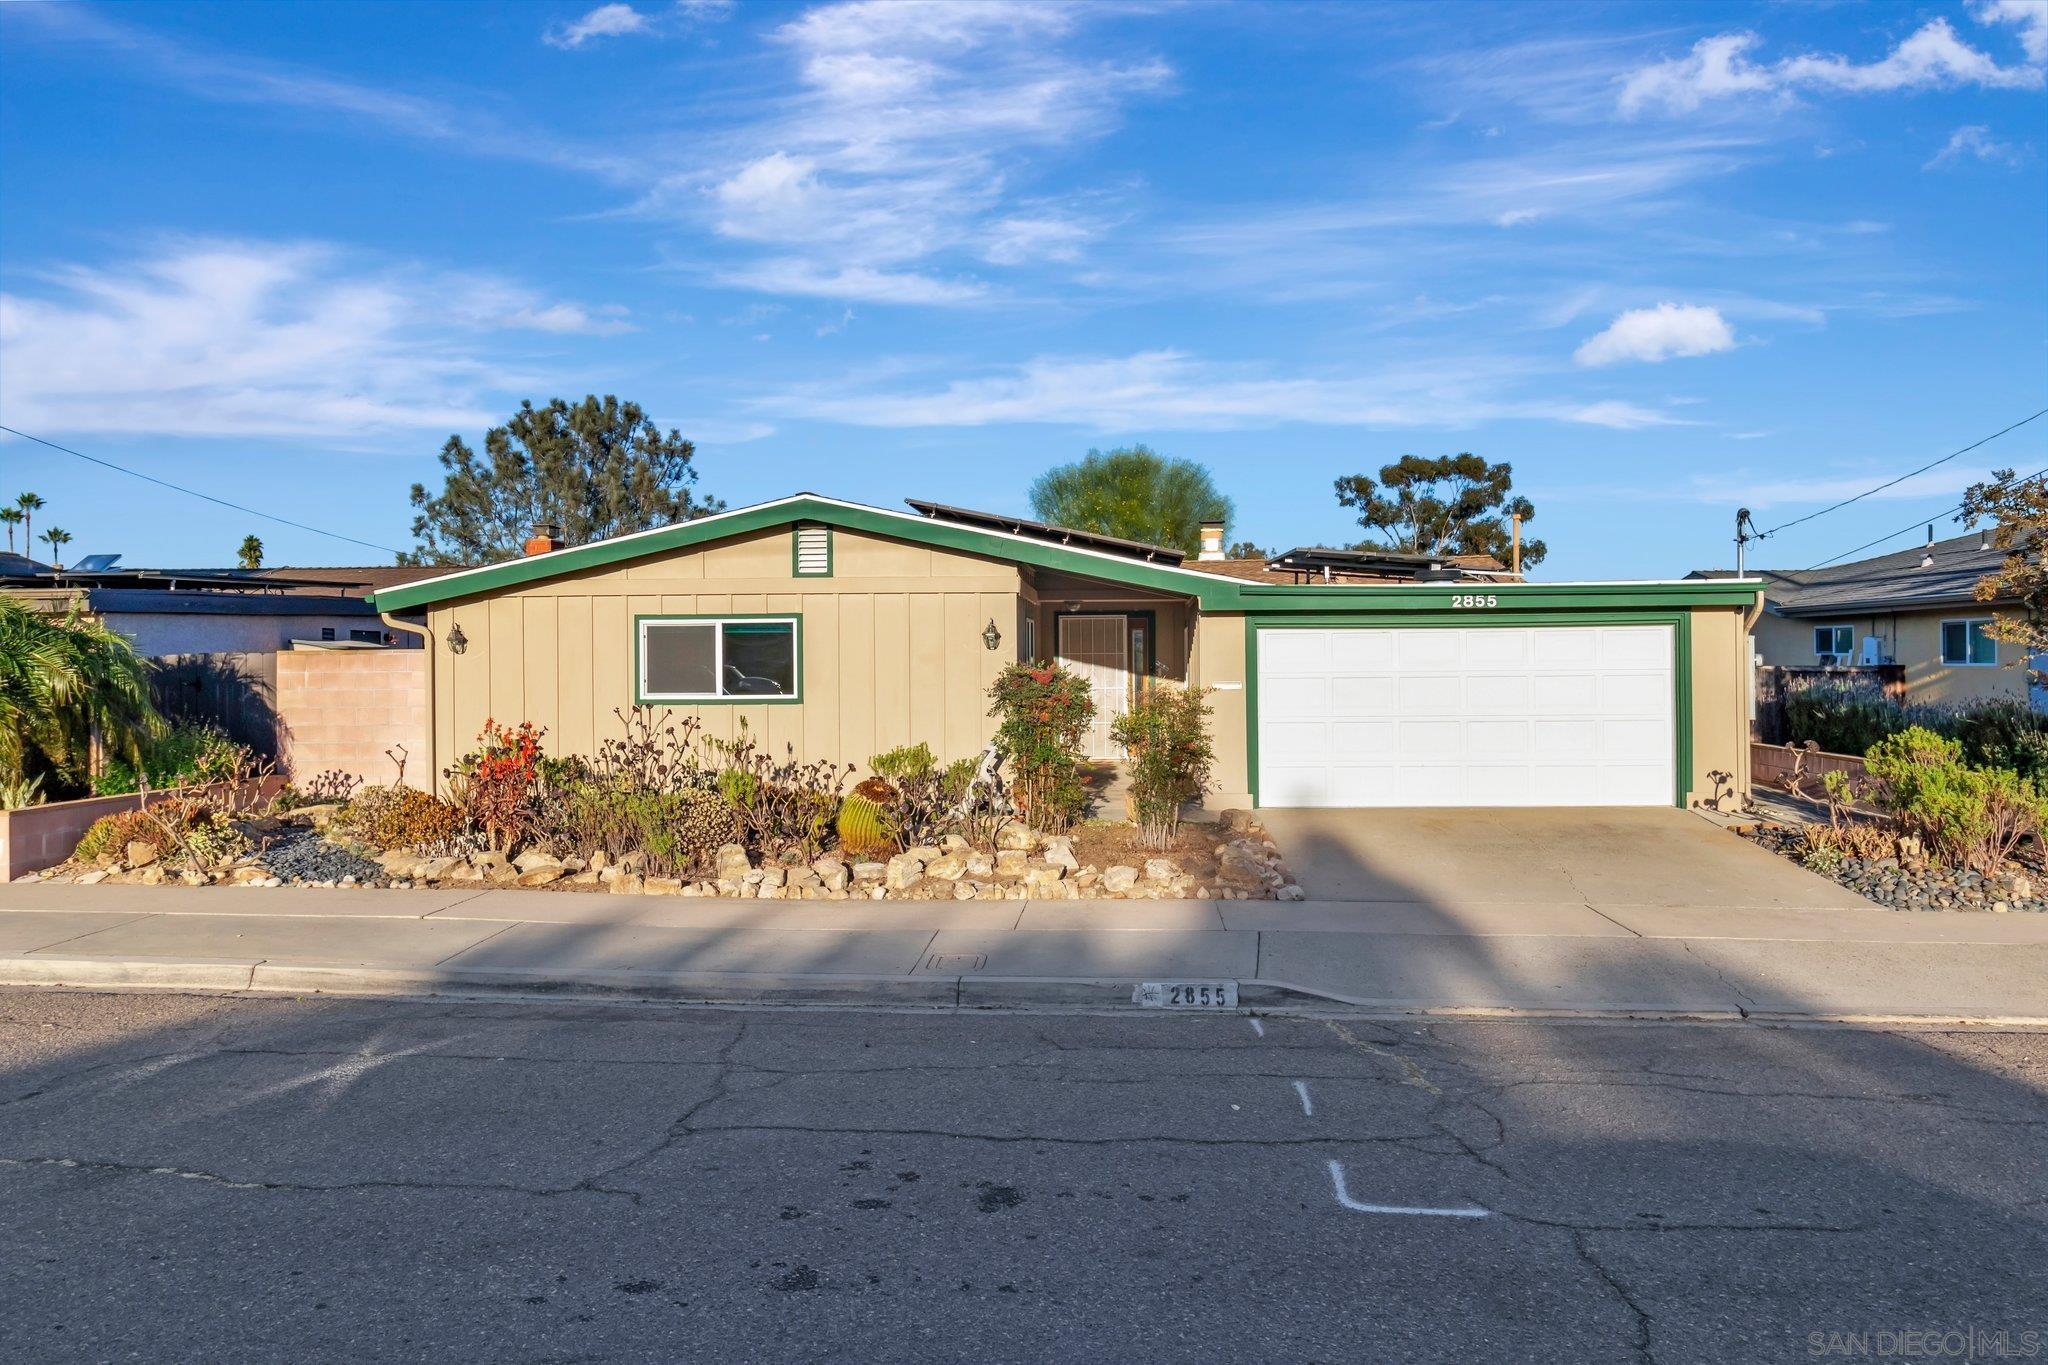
1255,995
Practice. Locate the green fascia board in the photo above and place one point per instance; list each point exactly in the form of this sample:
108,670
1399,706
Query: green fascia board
1210,591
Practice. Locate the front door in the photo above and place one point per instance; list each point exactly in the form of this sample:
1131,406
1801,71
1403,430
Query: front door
1098,647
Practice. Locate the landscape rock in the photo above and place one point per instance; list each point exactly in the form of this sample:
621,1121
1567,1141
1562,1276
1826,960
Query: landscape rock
1016,836
902,872
628,884
1059,851
1161,869
540,874
1119,879
141,853
946,869
730,861
1012,862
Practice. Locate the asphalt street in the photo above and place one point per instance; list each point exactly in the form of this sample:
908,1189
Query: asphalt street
187,1177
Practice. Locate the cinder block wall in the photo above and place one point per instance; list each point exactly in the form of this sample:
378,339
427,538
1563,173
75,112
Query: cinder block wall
343,708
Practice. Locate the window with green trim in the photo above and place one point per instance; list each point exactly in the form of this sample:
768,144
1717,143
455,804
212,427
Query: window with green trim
715,658
811,552
1968,644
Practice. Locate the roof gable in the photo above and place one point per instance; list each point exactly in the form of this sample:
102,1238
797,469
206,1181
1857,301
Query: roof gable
1210,591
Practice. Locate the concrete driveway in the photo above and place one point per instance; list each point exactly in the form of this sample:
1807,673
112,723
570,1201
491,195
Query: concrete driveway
1597,856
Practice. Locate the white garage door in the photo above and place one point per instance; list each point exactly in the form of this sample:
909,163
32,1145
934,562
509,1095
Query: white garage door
1455,716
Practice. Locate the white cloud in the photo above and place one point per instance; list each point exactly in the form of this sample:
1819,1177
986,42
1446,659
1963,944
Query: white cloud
238,338
606,21
855,283
1660,333
2029,16
1974,140
1719,67
1171,390
909,121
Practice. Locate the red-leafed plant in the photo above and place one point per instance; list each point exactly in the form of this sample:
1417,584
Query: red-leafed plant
498,797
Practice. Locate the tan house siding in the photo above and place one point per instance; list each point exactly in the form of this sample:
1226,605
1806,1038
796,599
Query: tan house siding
1720,699
891,647
1219,665
1913,638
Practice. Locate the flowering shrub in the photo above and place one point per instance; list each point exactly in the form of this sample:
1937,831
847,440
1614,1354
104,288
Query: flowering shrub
1043,711
1166,734
499,780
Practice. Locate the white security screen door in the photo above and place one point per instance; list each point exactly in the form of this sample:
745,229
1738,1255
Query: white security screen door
1456,716
1099,649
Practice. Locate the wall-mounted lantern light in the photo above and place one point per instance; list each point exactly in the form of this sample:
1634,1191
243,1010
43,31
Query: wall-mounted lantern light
457,641
990,636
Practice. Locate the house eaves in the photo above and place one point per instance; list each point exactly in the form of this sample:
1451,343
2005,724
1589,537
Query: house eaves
1209,591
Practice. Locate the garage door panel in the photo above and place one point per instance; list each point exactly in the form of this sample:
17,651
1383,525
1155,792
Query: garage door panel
1426,694
1501,647
1294,696
1466,716
1497,692
1294,651
1373,695
1362,650
1373,739
1565,694
1633,693
1424,649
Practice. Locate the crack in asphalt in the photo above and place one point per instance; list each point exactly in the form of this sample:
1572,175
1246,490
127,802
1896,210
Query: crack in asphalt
294,1186
1642,1343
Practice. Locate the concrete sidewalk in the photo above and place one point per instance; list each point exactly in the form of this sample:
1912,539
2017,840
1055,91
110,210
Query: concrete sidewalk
1598,958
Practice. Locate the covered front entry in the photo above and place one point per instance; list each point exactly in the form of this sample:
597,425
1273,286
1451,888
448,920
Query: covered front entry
1098,646
1458,715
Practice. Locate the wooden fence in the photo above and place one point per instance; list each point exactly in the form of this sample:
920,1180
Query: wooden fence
237,692
1776,682
1771,764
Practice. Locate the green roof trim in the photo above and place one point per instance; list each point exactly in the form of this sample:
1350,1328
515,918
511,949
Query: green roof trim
1212,592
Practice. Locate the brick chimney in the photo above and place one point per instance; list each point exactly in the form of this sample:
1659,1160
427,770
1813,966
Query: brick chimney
546,536
1212,540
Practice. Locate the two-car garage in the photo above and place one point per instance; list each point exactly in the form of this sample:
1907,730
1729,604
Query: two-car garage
1456,714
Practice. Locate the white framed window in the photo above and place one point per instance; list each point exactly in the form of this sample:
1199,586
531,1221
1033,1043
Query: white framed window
1968,644
736,659
1839,641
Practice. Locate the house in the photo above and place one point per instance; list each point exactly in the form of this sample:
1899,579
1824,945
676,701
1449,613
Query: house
842,630
1917,608
169,612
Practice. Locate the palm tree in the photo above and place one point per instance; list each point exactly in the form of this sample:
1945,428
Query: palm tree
30,504
10,517
63,683
251,553
56,538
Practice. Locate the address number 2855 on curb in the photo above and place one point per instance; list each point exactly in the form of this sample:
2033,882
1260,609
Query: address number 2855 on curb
1186,995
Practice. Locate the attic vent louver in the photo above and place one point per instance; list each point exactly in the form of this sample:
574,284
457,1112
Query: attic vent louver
813,552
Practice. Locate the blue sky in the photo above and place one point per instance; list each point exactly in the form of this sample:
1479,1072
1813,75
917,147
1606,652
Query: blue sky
1665,259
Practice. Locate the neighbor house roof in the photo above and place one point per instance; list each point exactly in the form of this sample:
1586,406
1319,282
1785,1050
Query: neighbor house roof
1057,535
1304,565
1904,580
1211,591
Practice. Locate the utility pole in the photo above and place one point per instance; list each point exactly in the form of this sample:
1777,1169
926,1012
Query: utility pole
1742,536
1517,561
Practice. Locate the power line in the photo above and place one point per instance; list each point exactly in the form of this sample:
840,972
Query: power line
193,492
1916,522
1901,479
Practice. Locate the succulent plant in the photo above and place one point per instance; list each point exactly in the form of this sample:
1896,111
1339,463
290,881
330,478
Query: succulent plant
867,823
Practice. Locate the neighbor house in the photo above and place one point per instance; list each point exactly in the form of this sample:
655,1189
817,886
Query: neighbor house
170,612
842,630
1916,608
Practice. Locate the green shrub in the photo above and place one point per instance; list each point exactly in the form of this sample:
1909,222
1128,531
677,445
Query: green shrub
1166,735
113,833
904,761
678,831
1043,711
185,755
1964,815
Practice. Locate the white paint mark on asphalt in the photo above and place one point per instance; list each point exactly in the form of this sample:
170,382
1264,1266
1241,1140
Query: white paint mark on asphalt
1308,1106
1344,1198
1257,1027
